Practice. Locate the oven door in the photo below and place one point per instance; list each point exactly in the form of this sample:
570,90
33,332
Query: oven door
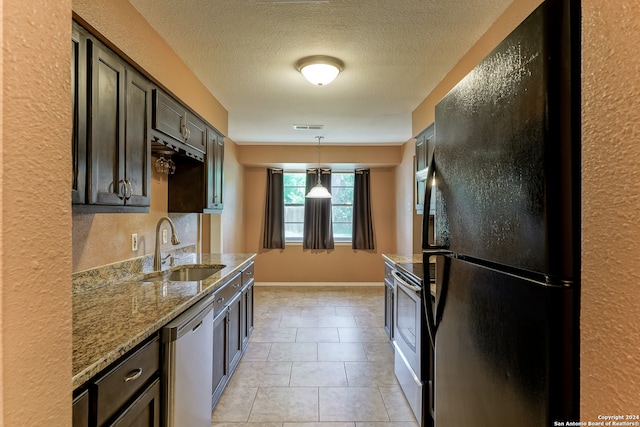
407,342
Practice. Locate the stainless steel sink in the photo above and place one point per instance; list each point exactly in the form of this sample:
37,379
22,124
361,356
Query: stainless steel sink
194,272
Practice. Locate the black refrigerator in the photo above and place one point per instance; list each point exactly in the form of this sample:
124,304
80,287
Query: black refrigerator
506,191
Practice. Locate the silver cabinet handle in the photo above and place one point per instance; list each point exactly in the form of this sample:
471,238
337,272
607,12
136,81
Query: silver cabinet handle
122,189
130,186
220,300
405,284
133,375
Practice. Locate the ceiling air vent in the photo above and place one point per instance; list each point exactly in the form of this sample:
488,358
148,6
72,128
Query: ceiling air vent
308,127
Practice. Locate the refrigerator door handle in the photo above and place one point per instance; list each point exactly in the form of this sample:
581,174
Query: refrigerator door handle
432,320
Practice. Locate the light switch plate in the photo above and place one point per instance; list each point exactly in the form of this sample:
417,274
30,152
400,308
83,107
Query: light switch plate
164,236
134,242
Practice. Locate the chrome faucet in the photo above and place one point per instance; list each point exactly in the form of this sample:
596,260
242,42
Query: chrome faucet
157,258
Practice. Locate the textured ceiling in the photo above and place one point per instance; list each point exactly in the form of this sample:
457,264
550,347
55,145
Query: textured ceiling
395,52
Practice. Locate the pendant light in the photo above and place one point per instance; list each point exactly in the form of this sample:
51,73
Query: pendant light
319,192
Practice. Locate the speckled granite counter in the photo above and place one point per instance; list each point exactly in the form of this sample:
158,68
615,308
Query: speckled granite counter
114,309
395,259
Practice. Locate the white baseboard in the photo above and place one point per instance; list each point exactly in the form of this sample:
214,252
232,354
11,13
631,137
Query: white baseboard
320,284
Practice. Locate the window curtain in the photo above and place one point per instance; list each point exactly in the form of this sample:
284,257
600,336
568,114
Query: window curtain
274,211
318,228
363,237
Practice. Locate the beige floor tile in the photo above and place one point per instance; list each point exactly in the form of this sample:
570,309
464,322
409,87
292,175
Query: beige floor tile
351,404
362,335
261,374
388,424
318,374
341,352
274,335
257,351
317,335
273,404
369,321
224,424
379,351
294,352
368,374
321,424
318,311
234,405
299,322
396,404
337,321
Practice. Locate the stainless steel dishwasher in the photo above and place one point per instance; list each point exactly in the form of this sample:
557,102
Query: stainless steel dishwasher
188,367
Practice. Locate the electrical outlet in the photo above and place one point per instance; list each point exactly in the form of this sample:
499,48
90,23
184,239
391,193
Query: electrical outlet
134,242
164,236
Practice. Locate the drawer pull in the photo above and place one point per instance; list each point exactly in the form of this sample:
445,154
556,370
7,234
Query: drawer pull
196,327
236,285
220,300
133,375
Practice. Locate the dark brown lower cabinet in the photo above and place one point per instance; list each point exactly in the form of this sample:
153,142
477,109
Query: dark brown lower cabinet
227,345
81,410
126,394
220,365
144,411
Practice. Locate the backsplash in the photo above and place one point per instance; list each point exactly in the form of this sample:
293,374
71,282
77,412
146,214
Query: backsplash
85,281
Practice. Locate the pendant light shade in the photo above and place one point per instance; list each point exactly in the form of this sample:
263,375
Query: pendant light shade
319,191
320,70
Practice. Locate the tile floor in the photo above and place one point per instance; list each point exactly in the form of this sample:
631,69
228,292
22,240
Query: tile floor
318,357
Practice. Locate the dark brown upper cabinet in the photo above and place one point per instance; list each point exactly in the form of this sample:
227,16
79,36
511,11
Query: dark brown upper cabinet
197,186
79,108
174,125
118,139
424,145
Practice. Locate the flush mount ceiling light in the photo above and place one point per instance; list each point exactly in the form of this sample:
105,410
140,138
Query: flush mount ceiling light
319,69
318,192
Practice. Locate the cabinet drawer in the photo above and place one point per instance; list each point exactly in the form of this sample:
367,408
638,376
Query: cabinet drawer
224,295
247,274
122,382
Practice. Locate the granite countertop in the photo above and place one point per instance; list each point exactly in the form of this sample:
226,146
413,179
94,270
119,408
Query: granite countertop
115,310
401,259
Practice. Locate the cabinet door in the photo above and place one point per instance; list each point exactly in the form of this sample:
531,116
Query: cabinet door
107,186
214,162
138,142
196,133
234,322
388,308
144,411
79,108
424,143
220,370
81,410
169,117
247,315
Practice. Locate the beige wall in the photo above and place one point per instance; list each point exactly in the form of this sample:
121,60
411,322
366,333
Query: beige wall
611,202
343,264
35,217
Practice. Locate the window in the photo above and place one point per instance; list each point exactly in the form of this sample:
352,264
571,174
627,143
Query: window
341,205
294,192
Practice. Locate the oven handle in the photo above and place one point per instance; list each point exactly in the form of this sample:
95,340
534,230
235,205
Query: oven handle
407,285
